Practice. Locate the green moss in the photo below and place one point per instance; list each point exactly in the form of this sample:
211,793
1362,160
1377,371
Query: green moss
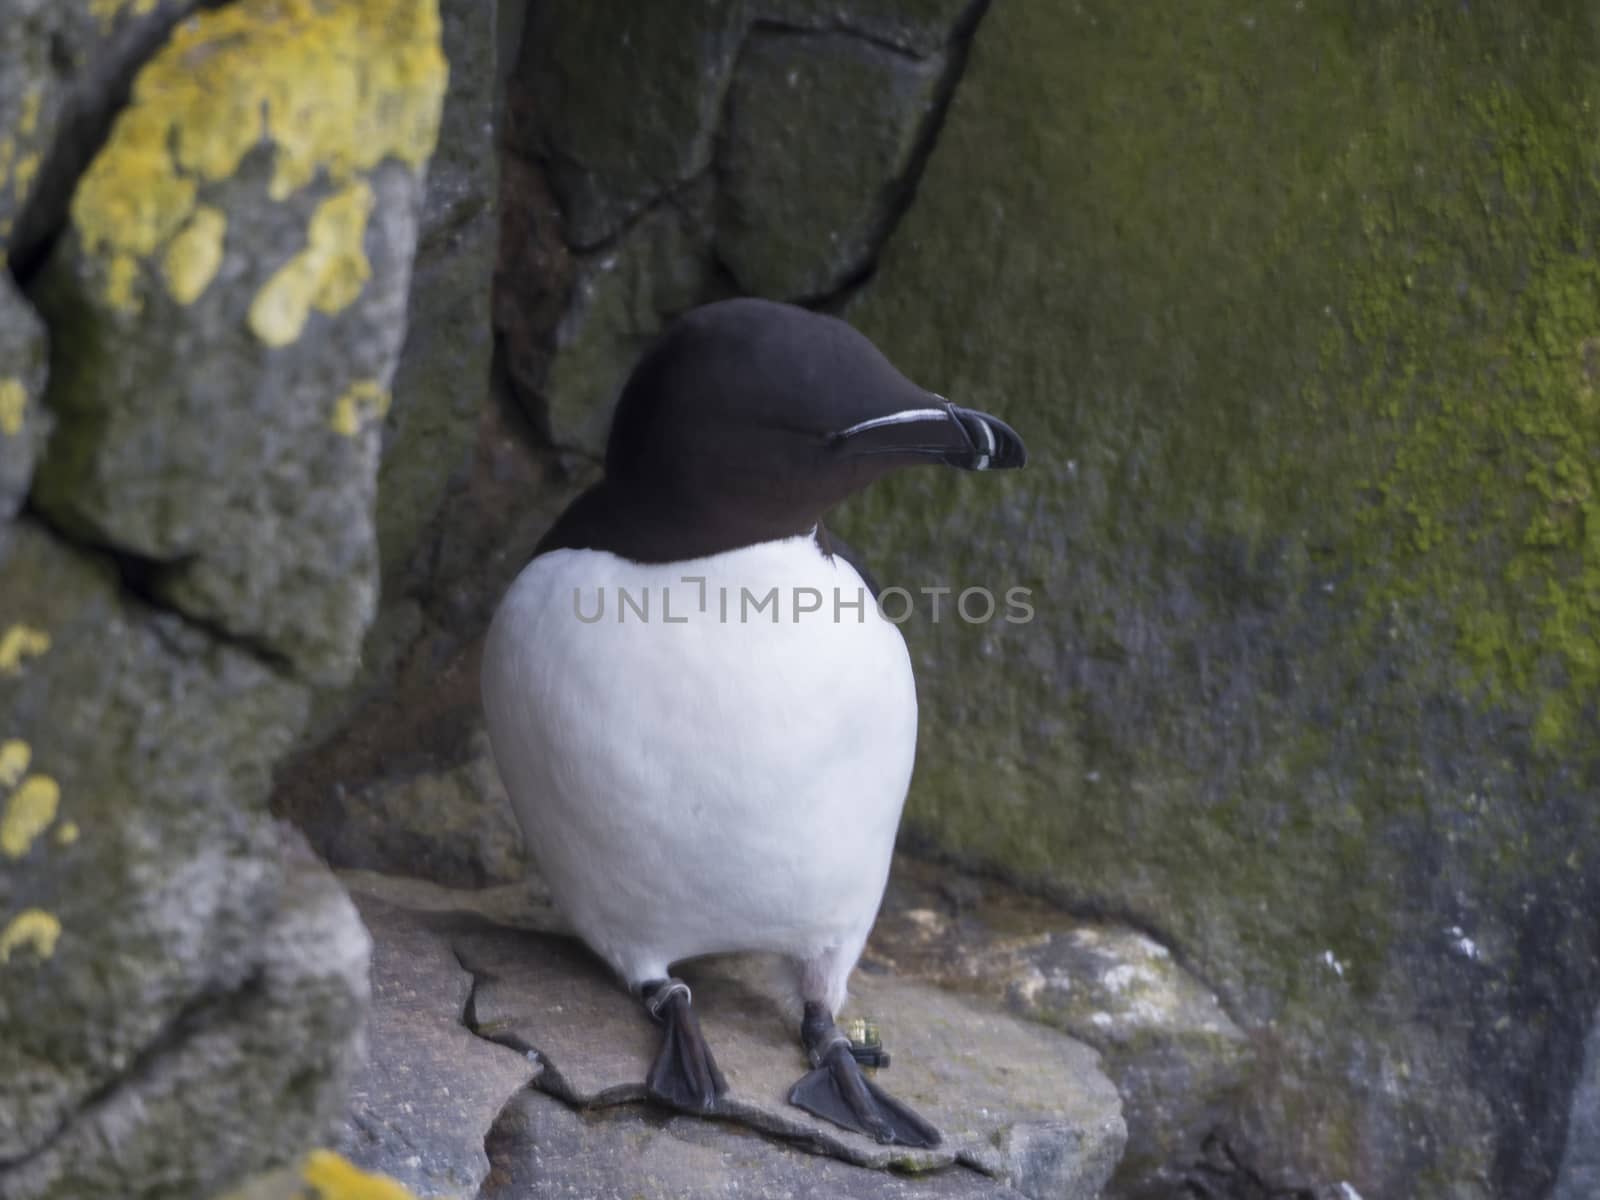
1297,307
1474,335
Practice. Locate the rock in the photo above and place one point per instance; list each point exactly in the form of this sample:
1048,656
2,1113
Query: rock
533,282
681,163
1308,684
1580,1163
227,342
816,150
622,298
542,1147
621,126
1018,1102
453,825
627,101
403,736
422,1105
67,67
442,380
146,897
321,1175
525,905
1024,1110
242,1077
24,424
1176,1056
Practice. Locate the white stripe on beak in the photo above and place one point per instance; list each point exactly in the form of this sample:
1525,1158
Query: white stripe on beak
904,417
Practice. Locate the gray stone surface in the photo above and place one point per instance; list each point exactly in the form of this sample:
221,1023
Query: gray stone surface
622,297
1579,1178
24,423
525,905
430,1090
1176,1056
542,1147
409,728
142,840
226,345
628,99
620,129
451,824
243,1077
1012,1099
762,145
67,64
441,383
1024,1110
816,148
913,27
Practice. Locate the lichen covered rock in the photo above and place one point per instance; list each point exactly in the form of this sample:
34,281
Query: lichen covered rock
320,1175
230,298
161,964
24,424
66,61
1176,1056
1296,313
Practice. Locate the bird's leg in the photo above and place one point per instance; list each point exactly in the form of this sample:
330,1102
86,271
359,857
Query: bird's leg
684,1074
838,1091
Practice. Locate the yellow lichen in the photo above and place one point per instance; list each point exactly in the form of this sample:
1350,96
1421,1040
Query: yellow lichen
28,814
195,254
335,1178
67,833
121,273
13,402
19,642
364,401
334,88
15,755
27,168
328,274
33,928
105,11
28,119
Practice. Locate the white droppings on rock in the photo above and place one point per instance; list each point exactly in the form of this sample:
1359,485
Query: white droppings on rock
1461,944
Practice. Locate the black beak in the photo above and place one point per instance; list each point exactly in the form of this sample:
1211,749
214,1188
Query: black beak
941,432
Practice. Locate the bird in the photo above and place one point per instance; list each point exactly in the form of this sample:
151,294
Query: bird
705,724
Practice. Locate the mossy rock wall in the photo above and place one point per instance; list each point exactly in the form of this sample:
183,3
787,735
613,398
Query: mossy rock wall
1298,309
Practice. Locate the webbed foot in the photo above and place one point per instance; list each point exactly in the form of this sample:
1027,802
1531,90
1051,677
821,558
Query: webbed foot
839,1091
684,1074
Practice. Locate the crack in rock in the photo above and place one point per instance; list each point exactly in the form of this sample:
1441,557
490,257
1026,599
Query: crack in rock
718,226
1015,1101
203,1011
431,1090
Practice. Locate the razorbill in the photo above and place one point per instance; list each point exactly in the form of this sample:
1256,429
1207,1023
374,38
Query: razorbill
704,723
